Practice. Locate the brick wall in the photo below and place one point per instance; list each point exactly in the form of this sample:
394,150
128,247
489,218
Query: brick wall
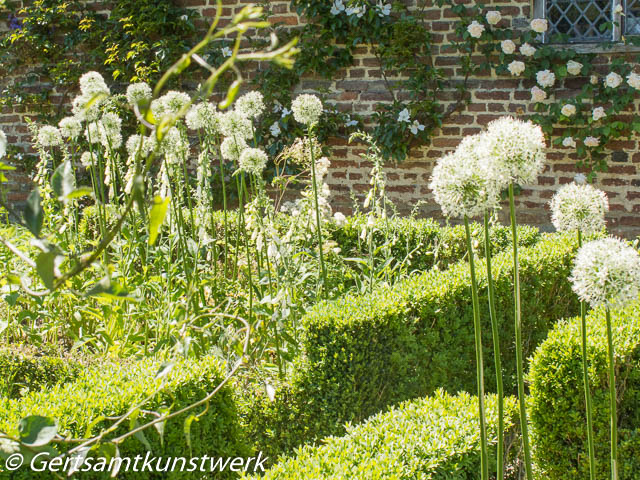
361,87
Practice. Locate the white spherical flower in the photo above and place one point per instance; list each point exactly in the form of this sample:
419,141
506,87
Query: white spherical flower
110,130
251,105
307,109
633,79
516,68
234,124
232,148
137,143
49,136
546,78
253,161
517,150
70,127
573,67
475,29
508,46
493,17
88,159
339,219
568,110
92,83
3,144
579,207
613,80
169,104
537,94
138,92
203,116
86,108
569,142
539,25
598,113
591,141
607,272
463,181
527,50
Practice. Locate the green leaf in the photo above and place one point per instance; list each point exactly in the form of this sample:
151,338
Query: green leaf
156,217
63,181
105,288
47,266
37,431
33,213
79,192
187,429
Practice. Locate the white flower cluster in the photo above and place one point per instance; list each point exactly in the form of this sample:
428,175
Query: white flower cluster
203,116
175,146
253,161
307,109
86,106
138,92
251,105
232,148
49,136
169,104
70,127
88,159
106,131
579,207
607,272
235,125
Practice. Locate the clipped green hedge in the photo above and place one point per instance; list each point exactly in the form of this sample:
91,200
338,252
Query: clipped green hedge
112,389
435,437
557,410
22,371
364,353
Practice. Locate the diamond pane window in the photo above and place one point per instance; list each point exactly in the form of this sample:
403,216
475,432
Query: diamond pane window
632,17
580,20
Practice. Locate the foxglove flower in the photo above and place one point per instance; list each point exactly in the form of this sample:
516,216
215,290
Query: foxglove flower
579,208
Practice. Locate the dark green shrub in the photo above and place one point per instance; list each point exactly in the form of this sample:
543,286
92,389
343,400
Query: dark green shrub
557,406
364,353
433,437
22,371
112,389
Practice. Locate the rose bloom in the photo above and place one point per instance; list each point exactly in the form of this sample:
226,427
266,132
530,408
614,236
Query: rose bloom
546,78
598,113
516,68
537,94
573,67
613,80
568,110
508,46
591,142
634,80
527,50
569,142
475,29
594,79
493,17
539,25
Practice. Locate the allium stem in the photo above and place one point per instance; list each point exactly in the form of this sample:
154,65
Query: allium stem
612,400
224,206
484,456
518,327
496,350
318,221
587,390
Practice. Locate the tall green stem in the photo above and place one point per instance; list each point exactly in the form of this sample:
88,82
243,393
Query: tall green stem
524,427
496,349
318,221
612,400
587,390
484,455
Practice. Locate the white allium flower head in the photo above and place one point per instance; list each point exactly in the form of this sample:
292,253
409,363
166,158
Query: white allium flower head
475,29
516,68
174,145
568,110
517,150
88,159
235,124
138,92
537,94
633,79
463,182
137,143
508,46
232,148
307,109
203,116
579,207
598,113
493,17
527,50
607,272
49,136
253,161
92,83
539,25
613,80
3,144
546,78
169,104
251,104
80,110
573,67
70,127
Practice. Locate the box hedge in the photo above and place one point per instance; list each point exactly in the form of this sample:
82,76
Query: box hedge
364,353
435,437
112,389
557,406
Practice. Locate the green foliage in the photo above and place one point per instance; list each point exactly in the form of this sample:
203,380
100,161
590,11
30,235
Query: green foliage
112,389
434,437
557,405
363,353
